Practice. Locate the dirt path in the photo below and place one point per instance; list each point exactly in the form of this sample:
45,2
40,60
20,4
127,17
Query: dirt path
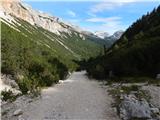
76,98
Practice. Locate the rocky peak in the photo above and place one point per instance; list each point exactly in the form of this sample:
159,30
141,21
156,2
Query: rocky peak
118,34
25,12
101,34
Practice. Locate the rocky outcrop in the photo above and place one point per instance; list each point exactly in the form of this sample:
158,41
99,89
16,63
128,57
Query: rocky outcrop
8,83
116,35
38,18
133,108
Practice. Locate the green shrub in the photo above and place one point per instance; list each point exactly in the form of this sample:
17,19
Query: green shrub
29,85
8,95
58,68
40,65
24,85
49,80
128,89
143,94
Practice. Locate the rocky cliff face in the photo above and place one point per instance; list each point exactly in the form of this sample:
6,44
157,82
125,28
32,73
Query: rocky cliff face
101,34
106,36
25,12
117,34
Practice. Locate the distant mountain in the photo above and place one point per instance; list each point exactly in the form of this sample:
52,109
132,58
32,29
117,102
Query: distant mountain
113,38
116,35
135,53
104,35
101,34
107,39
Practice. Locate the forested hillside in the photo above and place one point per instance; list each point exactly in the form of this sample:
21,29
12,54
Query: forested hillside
136,53
36,57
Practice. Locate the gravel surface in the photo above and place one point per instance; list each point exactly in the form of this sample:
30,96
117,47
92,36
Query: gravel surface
76,98
154,92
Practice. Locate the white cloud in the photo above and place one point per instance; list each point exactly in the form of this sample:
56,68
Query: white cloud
104,20
104,6
71,13
91,14
113,26
109,24
73,21
113,4
114,1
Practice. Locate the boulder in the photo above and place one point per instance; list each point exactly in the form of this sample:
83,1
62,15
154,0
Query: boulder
8,80
61,81
17,112
132,108
155,110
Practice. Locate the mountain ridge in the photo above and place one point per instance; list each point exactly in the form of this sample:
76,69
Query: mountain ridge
49,22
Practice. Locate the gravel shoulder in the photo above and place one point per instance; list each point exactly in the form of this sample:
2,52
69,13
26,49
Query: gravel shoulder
154,92
75,98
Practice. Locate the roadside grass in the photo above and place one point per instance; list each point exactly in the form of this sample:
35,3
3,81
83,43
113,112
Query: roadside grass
8,95
121,80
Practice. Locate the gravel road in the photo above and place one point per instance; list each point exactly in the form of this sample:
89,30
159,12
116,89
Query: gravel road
76,98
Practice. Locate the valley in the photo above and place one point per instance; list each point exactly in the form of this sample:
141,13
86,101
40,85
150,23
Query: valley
55,70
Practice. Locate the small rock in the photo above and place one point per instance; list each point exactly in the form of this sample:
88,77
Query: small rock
158,76
151,105
155,110
18,112
61,81
14,84
20,117
29,101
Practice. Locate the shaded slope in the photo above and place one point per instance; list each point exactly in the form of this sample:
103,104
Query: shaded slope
135,53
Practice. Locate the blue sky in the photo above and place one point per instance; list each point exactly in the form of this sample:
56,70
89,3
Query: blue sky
93,15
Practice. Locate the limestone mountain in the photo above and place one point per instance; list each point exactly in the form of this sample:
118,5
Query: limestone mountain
101,34
38,49
116,35
23,11
46,30
113,38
